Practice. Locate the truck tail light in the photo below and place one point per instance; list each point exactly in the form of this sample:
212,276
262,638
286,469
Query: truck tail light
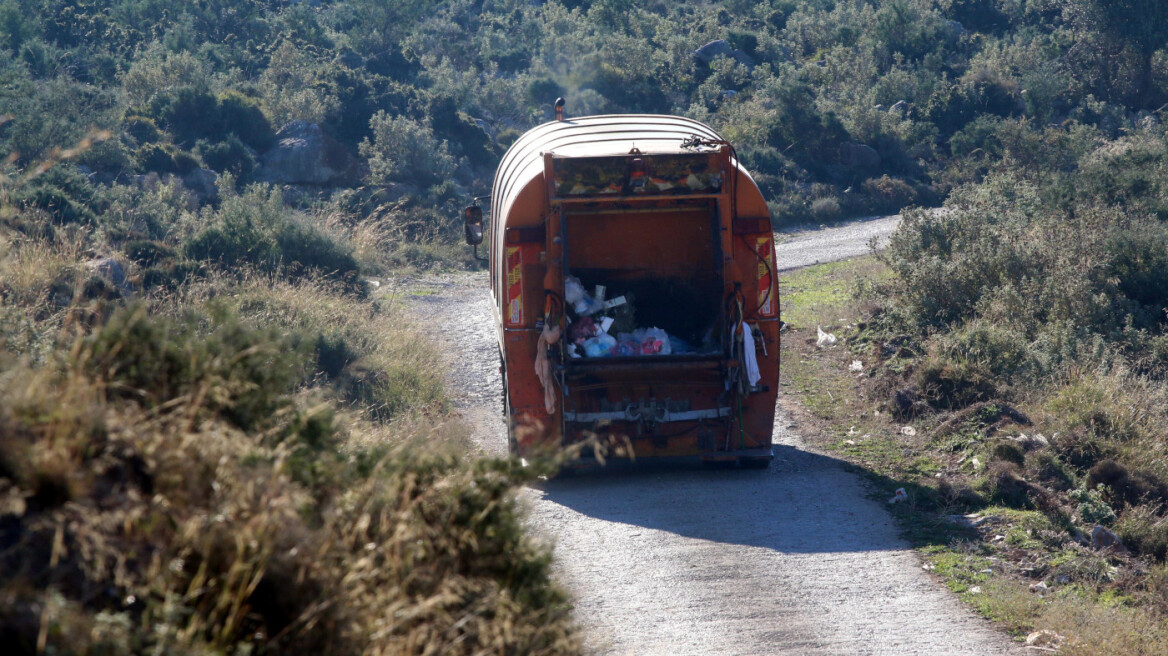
513,313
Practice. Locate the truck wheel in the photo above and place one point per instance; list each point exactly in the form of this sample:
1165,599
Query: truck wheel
512,445
754,463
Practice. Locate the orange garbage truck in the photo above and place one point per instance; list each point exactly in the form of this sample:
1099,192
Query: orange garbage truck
632,268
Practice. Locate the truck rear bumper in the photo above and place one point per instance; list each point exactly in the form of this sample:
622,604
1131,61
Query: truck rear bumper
585,463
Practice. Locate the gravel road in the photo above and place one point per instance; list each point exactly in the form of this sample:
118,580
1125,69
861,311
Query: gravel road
680,560
807,247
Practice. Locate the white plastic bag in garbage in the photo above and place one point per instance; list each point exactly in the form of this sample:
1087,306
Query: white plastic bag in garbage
588,306
644,341
573,290
751,360
599,346
655,341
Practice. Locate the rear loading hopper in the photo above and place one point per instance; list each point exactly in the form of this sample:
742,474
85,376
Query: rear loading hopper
631,263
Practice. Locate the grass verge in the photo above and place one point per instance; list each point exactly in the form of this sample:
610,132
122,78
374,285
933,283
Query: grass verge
997,513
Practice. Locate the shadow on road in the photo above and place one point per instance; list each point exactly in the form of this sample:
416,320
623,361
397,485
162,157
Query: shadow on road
805,503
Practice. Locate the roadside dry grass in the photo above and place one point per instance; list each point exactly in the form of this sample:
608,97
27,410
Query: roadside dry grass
1023,561
244,463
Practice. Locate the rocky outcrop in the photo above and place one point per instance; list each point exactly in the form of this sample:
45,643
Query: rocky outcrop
304,154
859,156
202,183
721,48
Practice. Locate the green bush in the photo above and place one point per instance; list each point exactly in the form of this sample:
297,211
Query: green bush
60,207
825,209
404,150
192,114
1106,408
954,383
1138,260
188,113
242,117
1092,508
889,195
62,192
155,360
1001,350
1145,531
157,158
255,231
229,156
145,252
142,129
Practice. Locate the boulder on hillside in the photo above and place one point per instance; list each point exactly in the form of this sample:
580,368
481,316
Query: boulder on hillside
859,156
304,154
721,48
110,272
202,183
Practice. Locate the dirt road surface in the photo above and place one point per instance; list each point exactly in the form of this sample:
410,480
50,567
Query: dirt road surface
679,560
807,247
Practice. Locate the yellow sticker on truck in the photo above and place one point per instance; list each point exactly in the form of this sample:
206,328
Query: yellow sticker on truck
514,286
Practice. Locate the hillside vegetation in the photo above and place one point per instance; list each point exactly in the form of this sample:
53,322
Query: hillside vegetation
215,439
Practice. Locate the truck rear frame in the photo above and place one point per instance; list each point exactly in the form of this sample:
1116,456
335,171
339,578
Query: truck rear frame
660,209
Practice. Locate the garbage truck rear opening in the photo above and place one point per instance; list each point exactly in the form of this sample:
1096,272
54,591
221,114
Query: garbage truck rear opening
632,271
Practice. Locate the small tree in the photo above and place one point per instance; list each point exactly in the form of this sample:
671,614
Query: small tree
404,150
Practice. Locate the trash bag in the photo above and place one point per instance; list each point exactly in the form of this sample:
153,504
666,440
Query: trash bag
582,329
580,301
599,346
750,358
645,341
588,306
678,346
825,338
573,290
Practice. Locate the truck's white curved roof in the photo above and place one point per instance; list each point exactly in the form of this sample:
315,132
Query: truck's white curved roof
589,136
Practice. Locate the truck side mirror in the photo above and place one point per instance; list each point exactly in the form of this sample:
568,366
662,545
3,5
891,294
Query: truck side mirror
472,217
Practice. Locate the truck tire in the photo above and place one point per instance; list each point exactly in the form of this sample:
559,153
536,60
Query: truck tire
512,445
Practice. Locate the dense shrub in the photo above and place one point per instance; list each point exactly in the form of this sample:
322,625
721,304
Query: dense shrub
164,158
1145,531
889,195
191,114
954,383
142,129
63,193
253,231
242,118
157,360
228,156
404,150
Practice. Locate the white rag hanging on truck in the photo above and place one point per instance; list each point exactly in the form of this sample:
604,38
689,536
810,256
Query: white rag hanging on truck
750,360
543,366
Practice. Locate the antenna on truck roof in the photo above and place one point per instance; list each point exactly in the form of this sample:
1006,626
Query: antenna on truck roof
559,109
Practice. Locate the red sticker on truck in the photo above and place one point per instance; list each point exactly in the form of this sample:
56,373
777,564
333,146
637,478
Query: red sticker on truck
514,286
766,268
